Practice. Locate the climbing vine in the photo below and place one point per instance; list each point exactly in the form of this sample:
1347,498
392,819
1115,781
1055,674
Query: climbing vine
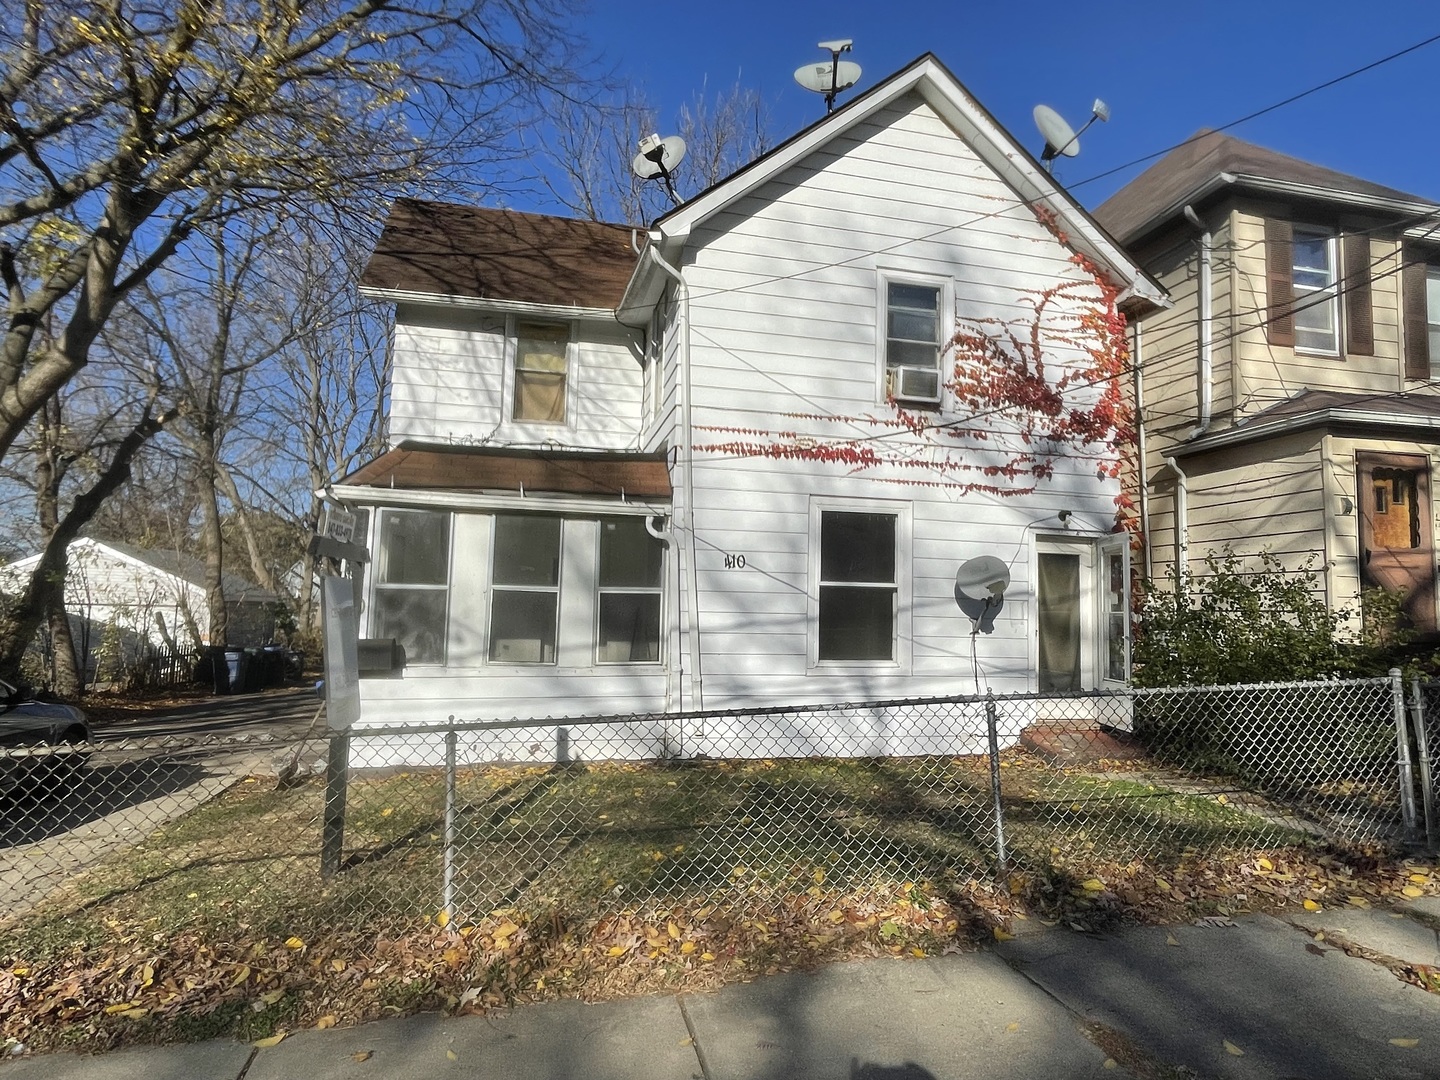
1026,393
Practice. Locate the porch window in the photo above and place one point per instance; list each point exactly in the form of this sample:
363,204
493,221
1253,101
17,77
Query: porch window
859,589
629,585
525,594
412,582
541,370
1432,316
1116,615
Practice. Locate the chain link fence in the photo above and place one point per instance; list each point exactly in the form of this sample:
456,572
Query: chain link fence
458,819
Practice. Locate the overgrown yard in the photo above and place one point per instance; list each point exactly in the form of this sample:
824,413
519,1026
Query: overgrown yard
606,879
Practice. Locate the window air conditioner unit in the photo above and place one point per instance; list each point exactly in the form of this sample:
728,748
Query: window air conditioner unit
913,384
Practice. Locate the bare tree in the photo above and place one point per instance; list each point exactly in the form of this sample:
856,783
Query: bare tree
124,129
589,148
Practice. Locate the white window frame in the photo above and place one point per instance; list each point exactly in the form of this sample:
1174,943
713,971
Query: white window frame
885,277
626,590
557,591
1432,317
900,661
512,376
1093,552
1303,294
377,516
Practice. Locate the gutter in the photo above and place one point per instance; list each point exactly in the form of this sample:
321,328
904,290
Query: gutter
1254,432
370,495
685,519
506,307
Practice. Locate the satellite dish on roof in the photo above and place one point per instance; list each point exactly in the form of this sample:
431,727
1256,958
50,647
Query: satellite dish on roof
829,77
657,160
1061,140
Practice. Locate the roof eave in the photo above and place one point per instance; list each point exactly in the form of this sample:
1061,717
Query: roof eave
1286,188
480,303
1289,425
546,502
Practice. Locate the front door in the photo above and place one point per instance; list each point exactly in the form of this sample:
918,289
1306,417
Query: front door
1397,542
1082,603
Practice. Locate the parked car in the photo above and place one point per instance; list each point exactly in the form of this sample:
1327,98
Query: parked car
43,744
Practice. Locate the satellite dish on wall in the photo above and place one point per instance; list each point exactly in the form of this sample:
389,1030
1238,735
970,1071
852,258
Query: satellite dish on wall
657,160
1061,140
829,77
984,579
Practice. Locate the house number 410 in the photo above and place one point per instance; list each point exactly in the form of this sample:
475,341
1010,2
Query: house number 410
734,562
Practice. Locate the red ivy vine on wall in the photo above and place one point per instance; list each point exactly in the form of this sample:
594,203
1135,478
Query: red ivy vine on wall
1018,407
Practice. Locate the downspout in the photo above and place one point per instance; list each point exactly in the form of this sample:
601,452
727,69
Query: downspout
685,520
663,535
1182,521
1207,340
1137,365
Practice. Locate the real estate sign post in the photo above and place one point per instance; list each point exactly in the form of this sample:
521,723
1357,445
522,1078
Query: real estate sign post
342,709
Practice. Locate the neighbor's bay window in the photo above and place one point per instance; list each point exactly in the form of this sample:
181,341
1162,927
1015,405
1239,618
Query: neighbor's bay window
629,583
541,372
859,586
525,588
412,582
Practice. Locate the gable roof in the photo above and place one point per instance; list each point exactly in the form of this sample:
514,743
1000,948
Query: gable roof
964,114
440,249
1210,160
170,563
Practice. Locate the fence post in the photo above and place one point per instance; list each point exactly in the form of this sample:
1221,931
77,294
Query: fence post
1402,744
993,734
332,837
1422,751
448,887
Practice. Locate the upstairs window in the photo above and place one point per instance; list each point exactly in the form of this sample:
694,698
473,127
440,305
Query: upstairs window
541,372
1432,317
1317,308
859,586
913,328
412,583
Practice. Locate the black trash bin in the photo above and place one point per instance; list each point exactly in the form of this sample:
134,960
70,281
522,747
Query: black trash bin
237,667
272,665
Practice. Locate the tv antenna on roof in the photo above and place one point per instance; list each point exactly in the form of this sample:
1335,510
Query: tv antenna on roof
829,78
1061,140
657,160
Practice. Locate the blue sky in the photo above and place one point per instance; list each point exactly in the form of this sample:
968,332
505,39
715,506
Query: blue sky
1164,74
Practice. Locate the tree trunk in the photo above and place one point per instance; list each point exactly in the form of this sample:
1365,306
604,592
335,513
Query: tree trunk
210,541
65,668
24,617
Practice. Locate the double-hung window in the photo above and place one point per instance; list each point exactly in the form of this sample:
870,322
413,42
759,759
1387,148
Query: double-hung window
1432,316
525,588
629,590
914,326
412,582
859,586
1316,305
541,372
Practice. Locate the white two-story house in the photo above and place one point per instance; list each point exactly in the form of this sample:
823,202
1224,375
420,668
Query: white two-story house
736,458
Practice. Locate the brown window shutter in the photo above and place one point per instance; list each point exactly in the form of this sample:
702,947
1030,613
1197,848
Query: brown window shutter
1417,329
1279,270
1359,317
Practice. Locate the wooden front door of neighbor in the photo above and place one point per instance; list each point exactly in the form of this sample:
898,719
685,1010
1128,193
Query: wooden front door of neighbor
1397,542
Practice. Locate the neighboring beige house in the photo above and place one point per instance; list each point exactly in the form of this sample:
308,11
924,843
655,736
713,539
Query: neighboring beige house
1290,397
131,592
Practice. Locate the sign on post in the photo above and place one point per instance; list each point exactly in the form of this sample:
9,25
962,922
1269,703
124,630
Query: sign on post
342,664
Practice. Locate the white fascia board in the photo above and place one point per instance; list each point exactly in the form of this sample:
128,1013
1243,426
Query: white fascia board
610,506
968,119
647,283
1248,433
500,307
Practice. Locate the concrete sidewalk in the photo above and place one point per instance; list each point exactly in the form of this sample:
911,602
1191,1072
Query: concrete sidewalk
1258,998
